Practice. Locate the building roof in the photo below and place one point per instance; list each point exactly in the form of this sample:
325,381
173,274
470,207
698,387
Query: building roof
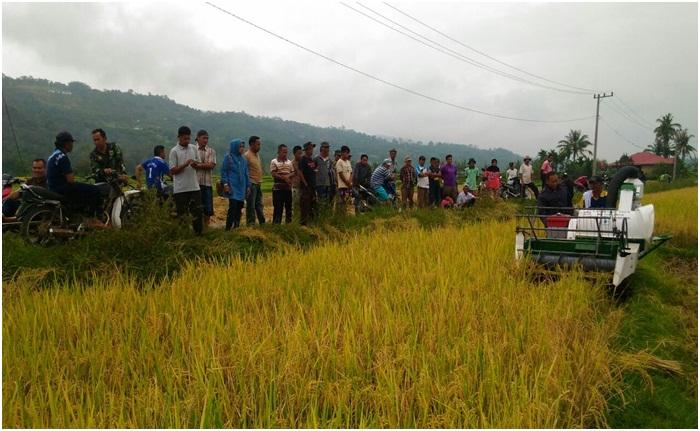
646,158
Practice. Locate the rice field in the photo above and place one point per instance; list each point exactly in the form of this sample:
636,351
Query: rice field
676,213
408,328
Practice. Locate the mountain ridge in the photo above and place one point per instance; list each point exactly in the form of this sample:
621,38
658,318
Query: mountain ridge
39,108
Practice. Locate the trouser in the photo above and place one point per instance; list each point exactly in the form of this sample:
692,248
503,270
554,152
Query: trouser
281,201
235,210
450,191
10,207
295,200
323,194
307,199
84,194
422,197
207,200
544,179
344,194
190,202
530,186
254,206
434,194
407,196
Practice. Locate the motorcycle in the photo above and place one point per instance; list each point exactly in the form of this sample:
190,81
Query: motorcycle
512,190
9,223
368,198
47,216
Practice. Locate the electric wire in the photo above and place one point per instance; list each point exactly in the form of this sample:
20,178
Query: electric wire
587,90
389,83
450,52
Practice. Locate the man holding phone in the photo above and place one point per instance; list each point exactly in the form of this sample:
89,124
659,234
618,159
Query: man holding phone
183,162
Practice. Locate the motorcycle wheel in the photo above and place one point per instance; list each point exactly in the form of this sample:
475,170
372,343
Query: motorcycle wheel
36,225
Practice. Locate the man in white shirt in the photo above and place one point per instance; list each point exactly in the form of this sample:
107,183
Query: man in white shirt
525,174
282,171
423,183
183,162
465,198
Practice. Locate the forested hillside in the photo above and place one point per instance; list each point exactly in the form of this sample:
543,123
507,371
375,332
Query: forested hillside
38,109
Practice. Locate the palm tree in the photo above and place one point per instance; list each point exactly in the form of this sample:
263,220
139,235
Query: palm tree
681,147
665,132
574,145
541,155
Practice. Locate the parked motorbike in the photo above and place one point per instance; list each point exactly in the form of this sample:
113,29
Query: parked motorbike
512,190
9,223
47,216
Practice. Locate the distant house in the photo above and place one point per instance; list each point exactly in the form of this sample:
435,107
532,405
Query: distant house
646,159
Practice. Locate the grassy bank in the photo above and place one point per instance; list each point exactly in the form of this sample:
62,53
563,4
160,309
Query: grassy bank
660,316
159,244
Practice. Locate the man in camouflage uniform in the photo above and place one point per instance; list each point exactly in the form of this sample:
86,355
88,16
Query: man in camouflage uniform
106,159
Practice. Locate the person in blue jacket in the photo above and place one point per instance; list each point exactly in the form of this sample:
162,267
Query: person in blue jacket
234,178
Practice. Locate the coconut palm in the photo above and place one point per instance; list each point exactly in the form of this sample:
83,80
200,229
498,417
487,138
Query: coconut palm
574,145
681,147
665,132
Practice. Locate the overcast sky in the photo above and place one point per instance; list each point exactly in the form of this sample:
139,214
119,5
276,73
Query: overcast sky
198,56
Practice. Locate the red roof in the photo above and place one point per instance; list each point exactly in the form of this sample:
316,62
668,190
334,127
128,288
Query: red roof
646,158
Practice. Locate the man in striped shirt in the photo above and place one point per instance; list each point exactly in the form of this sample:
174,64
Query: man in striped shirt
207,157
282,171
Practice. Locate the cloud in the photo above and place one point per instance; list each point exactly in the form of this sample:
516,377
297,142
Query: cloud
199,56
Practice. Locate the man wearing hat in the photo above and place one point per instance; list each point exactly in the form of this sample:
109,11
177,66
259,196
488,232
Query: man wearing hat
525,174
596,197
408,182
307,184
60,177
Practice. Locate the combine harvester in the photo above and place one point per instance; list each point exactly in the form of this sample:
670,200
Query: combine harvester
610,240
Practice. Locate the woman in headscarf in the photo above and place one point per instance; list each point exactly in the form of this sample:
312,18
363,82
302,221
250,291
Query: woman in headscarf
234,177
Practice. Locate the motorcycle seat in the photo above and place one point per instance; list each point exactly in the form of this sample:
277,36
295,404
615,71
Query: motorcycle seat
47,194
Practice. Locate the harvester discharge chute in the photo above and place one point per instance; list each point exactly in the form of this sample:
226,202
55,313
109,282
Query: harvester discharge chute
605,240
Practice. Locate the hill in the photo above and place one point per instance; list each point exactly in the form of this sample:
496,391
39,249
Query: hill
39,108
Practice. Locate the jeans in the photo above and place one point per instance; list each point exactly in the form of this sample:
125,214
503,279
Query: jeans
235,210
307,200
190,202
323,193
83,194
281,201
207,200
422,197
434,194
254,206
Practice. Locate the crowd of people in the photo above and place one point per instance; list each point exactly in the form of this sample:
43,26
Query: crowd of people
305,181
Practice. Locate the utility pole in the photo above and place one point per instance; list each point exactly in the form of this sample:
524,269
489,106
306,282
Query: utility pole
595,137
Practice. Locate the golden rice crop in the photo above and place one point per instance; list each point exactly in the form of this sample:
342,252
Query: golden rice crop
413,328
676,213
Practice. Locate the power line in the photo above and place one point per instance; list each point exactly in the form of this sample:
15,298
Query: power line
621,135
586,90
627,117
629,109
450,52
385,82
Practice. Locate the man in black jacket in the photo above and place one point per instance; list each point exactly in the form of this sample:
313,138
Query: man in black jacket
553,198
